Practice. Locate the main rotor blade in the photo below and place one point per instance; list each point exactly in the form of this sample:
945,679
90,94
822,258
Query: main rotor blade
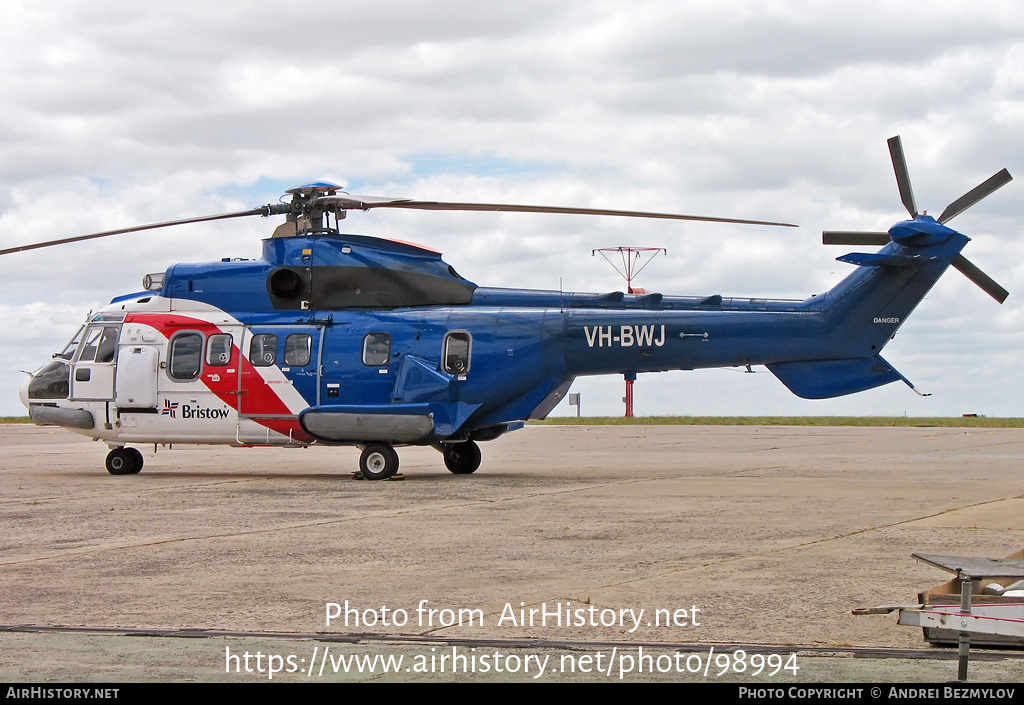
975,194
262,210
899,165
368,202
983,280
850,237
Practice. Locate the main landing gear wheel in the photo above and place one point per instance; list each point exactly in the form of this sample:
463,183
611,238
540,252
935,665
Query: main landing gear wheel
379,461
462,458
124,461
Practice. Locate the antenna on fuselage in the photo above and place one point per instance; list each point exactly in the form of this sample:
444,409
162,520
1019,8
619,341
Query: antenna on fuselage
632,262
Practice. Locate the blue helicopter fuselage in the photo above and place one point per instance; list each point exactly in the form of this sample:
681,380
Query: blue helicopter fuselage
350,339
353,340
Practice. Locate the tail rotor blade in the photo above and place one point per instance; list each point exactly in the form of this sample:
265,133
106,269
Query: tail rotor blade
849,237
899,165
975,194
987,284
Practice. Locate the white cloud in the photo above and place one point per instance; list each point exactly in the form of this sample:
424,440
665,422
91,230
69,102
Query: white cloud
117,113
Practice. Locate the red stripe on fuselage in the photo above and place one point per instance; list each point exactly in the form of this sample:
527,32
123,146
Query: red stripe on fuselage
260,396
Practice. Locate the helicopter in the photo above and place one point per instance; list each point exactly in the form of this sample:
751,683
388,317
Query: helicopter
350,340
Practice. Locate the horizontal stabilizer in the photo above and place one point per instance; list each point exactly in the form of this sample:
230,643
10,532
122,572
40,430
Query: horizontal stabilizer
823,379
856,238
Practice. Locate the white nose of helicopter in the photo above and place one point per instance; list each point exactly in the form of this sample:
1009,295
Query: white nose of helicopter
23,391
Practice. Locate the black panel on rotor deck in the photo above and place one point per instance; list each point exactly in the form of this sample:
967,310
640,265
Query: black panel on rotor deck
365,287
356,271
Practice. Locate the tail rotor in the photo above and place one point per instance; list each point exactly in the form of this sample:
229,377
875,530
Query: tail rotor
909,235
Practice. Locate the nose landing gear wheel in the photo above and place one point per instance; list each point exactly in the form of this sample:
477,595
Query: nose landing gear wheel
378,461
124,461
462,458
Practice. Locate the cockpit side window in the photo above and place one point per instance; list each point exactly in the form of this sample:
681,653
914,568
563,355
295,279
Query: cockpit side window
99,344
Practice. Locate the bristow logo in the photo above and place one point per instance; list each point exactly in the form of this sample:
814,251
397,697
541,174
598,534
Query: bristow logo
886,320
193,412
200,412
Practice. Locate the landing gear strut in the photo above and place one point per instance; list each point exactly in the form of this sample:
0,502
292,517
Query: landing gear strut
462,458
124,461
379,461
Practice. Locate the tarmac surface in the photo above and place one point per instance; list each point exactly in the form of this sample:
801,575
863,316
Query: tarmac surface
761,539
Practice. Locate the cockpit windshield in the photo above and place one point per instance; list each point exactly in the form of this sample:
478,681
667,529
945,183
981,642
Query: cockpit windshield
69,350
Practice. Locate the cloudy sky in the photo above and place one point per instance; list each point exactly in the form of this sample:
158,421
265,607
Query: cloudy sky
117,113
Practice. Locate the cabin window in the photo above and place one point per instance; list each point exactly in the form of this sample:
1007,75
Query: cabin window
185,357
455,356
376,349
297,349
263,350
218,350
